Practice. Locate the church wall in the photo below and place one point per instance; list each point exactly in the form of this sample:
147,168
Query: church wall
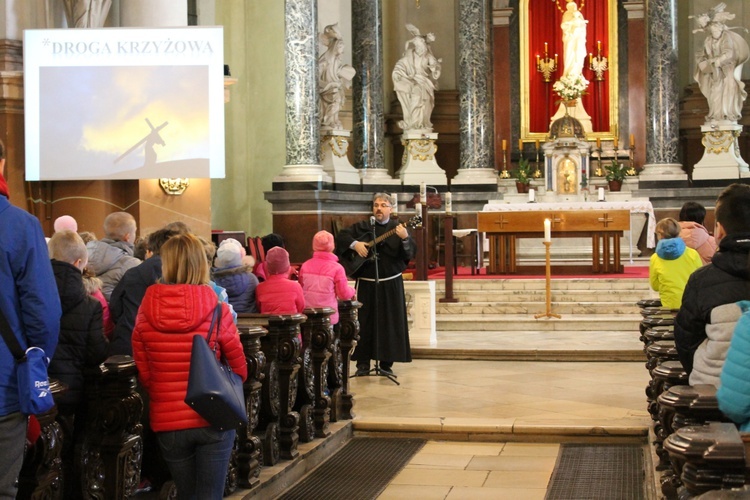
254,116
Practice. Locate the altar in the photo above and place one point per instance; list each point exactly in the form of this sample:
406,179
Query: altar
641,218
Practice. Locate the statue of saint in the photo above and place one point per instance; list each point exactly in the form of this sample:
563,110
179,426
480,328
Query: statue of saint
86,13
719,68
334,77
574,40
413,82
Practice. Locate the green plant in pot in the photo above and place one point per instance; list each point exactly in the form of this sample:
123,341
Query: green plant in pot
522,175
615,173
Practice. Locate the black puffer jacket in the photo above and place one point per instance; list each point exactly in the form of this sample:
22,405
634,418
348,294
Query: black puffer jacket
725,280
82,343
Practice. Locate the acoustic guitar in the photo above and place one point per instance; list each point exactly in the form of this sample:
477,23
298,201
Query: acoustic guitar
352,261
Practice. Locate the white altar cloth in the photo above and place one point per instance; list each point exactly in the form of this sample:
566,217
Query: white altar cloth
635,206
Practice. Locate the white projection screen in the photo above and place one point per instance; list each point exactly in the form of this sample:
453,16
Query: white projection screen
124,103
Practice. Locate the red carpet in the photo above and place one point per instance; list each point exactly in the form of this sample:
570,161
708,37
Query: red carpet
464,273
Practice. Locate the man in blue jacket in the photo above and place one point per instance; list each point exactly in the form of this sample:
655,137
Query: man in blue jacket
30,303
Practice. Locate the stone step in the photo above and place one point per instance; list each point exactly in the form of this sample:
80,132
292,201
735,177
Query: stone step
536,307
540,284
527,322
500,296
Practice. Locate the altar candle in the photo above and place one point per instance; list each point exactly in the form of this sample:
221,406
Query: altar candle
591,58
614,142
520,144
537,59
632,140
448,203
422,191
599,45
531,195
537,144
555,59
505,144
601,194
598,143
418,208
545,47
547,231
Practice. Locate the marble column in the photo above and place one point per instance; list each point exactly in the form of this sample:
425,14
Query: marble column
476,170
303,168
662,96
367,92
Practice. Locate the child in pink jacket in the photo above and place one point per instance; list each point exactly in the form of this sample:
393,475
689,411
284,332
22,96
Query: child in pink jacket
323,279
278,294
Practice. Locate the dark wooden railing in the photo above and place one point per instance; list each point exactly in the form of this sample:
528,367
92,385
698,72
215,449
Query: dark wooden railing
108,461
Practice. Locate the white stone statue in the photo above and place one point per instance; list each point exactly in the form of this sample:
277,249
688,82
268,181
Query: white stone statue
719,68
574,40
86,13
334,77
414,79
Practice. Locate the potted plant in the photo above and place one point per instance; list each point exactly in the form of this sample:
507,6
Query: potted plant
615,173
523,175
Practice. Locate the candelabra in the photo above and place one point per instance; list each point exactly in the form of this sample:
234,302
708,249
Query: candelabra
537,173
631,158
599,172
546,65
504,174
598,64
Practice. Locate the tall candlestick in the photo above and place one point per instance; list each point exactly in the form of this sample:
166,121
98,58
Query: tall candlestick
423,192
448,203
632,140
598,143
547,231
537,144
601,194
520,144
614,142
531,195
505,144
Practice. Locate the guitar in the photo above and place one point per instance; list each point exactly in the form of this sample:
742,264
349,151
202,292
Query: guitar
352,261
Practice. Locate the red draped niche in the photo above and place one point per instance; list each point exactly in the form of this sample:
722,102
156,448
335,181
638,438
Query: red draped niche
544,20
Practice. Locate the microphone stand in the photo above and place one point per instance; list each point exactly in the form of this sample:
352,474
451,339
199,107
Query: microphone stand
376,309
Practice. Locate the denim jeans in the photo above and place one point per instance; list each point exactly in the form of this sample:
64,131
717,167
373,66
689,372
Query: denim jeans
12,441
198,460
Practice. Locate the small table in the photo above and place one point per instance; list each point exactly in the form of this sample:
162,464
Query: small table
604,226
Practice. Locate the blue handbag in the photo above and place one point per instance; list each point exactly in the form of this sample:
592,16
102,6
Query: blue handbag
214,391
34,395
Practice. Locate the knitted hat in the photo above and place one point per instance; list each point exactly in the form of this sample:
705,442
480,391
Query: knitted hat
322,242
65,222
229,254
277,261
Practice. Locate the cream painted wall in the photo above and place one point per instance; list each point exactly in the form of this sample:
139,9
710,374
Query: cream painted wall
254,117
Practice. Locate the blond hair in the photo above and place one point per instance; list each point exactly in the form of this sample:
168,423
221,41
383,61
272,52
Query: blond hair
67,246
668,228
183,261
118,225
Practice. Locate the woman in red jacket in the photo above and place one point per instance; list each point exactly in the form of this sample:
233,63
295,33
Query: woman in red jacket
172,312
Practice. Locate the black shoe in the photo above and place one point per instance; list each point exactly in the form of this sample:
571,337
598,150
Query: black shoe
387,370
362,371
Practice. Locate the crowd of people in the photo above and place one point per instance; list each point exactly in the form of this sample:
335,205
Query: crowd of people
82,299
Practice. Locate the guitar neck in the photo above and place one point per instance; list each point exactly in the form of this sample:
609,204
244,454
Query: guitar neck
385,235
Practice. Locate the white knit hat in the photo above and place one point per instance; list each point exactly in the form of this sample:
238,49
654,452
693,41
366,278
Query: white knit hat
229,254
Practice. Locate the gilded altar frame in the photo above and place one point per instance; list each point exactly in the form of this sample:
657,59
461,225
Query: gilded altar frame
613,78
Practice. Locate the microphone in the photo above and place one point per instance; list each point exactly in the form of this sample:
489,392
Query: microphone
372,220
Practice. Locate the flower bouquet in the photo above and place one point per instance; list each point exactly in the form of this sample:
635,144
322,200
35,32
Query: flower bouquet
570,87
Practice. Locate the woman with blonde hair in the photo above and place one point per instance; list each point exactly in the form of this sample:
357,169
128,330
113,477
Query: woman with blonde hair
172,312
672,263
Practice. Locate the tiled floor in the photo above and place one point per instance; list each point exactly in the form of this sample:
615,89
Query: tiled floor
509,415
